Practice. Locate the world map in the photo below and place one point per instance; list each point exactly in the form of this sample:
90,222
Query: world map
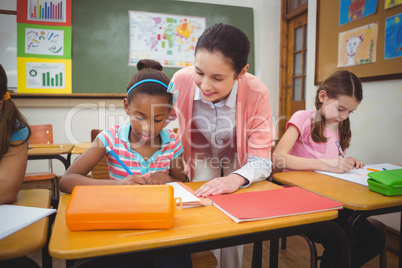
169,39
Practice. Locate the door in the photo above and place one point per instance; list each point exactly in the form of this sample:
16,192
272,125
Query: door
294,59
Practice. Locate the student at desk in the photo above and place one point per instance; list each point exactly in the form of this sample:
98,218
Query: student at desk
316,140
14,136
141,152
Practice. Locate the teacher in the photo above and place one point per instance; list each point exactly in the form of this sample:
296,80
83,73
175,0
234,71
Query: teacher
225,120
224,114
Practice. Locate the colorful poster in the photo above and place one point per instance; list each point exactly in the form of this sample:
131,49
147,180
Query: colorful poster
393,37
358,46
44,41
351,10
44,12
392,3
44,75
169,39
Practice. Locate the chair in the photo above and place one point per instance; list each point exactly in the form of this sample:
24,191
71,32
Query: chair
204,259
43,134
100,171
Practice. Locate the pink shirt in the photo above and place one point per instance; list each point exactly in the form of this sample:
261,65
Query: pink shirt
254,130
305,146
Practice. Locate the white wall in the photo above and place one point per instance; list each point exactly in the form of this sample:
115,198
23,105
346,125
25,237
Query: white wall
376,124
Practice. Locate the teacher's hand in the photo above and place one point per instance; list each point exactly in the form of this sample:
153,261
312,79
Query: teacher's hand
221,185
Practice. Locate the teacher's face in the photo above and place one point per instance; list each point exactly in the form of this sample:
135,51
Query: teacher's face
214,75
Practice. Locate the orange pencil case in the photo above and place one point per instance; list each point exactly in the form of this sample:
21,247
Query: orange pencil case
114,207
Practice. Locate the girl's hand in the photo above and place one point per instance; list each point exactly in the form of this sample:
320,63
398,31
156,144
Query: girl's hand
346,164
132,180
157,178
221,185
358,163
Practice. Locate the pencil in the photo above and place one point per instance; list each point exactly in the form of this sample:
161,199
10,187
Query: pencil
339,148
118,160
372,169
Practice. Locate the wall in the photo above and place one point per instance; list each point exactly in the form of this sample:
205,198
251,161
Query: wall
73,119
376,124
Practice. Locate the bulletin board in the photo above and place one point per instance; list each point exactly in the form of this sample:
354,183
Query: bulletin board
328,34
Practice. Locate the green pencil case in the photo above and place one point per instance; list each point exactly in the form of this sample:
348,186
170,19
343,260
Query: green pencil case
387,182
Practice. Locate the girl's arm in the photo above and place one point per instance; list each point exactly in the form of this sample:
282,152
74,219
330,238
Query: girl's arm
13,165
176,173
282,158
177,169
77,173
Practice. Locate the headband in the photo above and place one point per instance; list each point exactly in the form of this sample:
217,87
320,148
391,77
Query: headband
170,89
6,96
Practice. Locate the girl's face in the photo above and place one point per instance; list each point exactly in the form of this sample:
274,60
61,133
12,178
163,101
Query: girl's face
214,75
337,110
148,115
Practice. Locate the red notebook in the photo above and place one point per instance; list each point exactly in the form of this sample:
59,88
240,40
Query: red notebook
269,204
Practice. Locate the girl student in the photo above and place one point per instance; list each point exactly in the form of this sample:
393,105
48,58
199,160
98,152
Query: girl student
151,152
311,143
14,136
224,118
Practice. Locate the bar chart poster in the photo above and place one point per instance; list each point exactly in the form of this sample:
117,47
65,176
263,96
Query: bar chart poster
45,12
40,76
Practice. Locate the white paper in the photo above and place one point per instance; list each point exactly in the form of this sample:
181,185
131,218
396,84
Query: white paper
185,195
360,176
15,218
45,75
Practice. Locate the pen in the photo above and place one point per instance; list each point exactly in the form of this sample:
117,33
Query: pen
339,148
118,160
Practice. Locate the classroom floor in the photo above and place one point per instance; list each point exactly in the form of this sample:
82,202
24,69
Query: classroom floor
296,255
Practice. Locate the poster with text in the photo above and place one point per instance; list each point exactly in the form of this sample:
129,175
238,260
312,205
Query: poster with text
168,39
393,37
358,46
37,75
351,10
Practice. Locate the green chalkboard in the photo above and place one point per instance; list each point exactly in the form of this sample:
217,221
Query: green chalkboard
100,36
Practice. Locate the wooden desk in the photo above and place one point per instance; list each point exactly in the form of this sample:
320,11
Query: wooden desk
80,148
33,237
356,197
196,229
52,151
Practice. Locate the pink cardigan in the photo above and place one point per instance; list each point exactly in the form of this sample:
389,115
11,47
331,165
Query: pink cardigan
254,130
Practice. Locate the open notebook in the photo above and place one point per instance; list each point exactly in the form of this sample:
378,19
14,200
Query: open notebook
187,195
270,204
360,176
14,218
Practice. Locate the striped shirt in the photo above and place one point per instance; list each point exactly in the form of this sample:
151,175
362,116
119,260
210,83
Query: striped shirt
117,138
